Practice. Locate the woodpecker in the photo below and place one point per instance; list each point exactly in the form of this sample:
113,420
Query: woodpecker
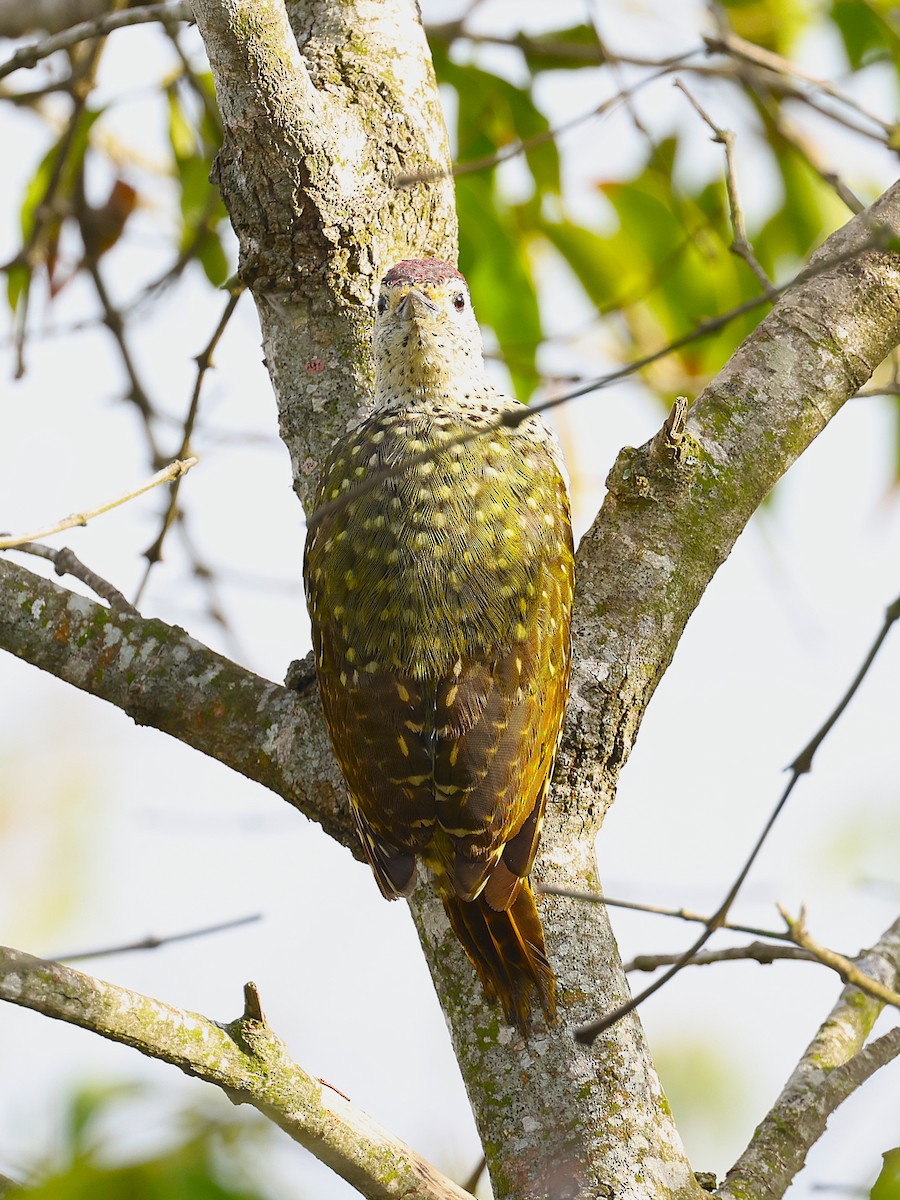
439,580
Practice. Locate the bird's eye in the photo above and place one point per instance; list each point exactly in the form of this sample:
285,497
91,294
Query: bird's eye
459,301
382,303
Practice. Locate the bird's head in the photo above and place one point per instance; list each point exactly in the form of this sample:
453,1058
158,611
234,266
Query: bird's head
427,341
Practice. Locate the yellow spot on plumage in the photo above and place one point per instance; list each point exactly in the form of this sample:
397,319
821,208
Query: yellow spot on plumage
401,742
451,695
402,692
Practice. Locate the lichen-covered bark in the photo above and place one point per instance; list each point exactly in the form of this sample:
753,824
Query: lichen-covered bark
246,1059
324,105
673,511
833,1065
161,677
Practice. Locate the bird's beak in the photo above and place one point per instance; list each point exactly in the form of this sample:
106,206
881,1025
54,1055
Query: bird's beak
415,305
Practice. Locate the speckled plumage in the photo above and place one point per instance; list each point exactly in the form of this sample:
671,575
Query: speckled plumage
440,600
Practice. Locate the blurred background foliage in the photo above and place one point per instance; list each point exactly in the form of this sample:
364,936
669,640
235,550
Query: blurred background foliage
647,240
211,1158
655,264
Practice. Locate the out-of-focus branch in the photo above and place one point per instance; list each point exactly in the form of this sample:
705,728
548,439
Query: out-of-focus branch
31,55
245,1059
204,362
162,678
154,942
833,1066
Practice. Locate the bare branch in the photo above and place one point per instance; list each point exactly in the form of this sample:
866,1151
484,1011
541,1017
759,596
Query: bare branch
740,244
152,942
204,362
65,562
832,1067
683,914
161,677
760,952
736,47
848,971
245,1059
173,471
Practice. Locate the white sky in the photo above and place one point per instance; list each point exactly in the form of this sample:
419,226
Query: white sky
111,832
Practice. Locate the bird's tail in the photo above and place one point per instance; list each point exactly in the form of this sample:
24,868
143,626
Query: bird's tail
506,948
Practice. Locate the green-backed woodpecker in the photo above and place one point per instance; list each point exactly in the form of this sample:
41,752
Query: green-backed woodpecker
439,577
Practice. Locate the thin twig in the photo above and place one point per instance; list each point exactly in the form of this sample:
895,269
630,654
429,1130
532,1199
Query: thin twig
114,322
172,471
735,47
848,970
204,362
65,562
801,765
800,145
682,914
740,244
522,146
30,55
759,952
151,942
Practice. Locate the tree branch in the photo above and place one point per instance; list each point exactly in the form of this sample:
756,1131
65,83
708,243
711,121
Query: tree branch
761,952
833,1066
245,1059
848,971
161,677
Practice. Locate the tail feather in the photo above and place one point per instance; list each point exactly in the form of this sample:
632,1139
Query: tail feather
507,950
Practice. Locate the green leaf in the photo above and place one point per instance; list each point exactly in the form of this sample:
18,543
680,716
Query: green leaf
192,1170
18,281
561,49
494,114
773,24
202,210
211,256
887,1185
865,35
36,189
493,259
